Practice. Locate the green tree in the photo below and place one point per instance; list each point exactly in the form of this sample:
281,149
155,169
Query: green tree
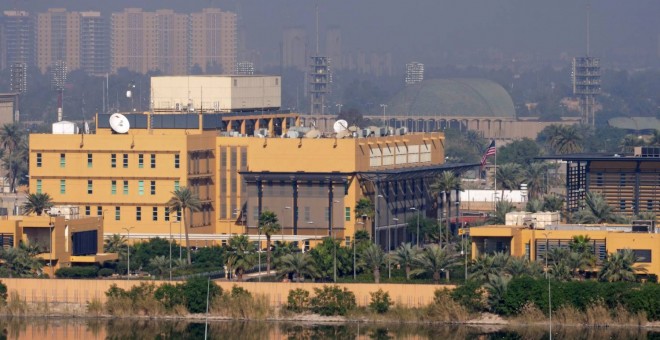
373,259
159,265
196,290
534,205
116,243
496,286
536,176
405,256
268,225
184,199
324,255
520,152
596,210
553,203
37,203
488,265
442,187
12,138
435,260
561,139
364,209
298,265
620,266
509,176
19,263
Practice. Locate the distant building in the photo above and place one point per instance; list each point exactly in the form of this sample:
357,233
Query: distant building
58,39
245,68
94,43
333,48
18,28
213,41
414,73
294,48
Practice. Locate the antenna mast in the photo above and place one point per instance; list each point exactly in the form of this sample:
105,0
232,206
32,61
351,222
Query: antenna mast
317,28
588,26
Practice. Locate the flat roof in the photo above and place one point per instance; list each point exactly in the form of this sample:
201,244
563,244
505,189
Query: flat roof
599,157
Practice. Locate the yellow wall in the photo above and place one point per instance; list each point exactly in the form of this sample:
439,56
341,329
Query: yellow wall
82,291
615,240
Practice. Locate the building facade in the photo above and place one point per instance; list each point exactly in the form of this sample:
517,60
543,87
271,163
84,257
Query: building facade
18,29
213,41
312,184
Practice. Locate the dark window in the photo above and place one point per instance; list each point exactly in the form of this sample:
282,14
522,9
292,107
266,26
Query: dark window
90,187
154,214
140,161
641,255
38,160
99,211
167,214
125,160
153,161
90,160
138,213
153,187
88,210
113,160
84,243
177,161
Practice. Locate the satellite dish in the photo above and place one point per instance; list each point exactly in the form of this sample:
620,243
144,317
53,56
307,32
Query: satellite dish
340,125
313,134
119,123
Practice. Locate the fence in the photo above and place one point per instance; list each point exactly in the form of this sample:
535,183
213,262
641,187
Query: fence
79,292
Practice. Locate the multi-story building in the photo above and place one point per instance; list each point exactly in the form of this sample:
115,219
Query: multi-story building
18,29
312,184
94,43
294,48
414,73
58,39
213,41
148,41
333,48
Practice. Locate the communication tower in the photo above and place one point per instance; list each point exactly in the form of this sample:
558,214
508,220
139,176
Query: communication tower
586,82
319,76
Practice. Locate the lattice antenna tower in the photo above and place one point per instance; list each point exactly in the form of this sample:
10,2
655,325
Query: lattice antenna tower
586,80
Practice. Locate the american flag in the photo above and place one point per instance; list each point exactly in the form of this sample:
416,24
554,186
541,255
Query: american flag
489,152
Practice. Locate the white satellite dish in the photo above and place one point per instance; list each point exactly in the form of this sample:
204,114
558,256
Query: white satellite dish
119,123
340,125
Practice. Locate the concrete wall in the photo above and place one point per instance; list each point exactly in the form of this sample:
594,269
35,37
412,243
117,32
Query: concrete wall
82,291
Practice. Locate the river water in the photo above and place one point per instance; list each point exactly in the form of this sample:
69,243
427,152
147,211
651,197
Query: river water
77,328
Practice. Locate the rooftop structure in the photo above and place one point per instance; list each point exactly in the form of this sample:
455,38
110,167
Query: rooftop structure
414,73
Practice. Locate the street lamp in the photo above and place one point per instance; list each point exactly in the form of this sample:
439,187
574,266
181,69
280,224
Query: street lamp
128,246
170,250
339,108
413,208
384,106
547,245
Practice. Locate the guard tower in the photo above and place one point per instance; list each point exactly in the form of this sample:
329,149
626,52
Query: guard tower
586,86
319,74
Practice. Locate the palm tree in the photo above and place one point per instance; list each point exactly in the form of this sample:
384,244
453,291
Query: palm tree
239,263
405,256
116,243
442,187
298,265
496,286
182,199
620,266
522,266
553,203
655,138
19,262
364,209
536,178
487,265
565,140
373,258
37,203
596,210
11,138
268,226
534,205
646,215
159,265
434,260
501,209
239,244
509,176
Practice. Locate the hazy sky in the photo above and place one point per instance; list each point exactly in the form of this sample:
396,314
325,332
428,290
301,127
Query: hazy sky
428,30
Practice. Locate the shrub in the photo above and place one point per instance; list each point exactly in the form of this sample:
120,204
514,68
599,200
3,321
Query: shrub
105,272
240,304
332,300
139,300
298,300
470,295
195,292
77,272
3,294
237,291
380,301
445,309
95,307
15,305
170,296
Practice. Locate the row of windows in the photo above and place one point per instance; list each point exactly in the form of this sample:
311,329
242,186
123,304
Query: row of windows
138,213
113,160
307,214
113,187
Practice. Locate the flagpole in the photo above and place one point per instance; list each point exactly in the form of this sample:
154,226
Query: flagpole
495,179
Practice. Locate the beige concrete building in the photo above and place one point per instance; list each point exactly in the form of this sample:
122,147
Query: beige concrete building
148,41
58,38
213,44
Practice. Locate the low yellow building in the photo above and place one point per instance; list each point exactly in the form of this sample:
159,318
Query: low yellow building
311,182
62,242
522,241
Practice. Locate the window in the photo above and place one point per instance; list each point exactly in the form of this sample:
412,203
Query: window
153,160
167,214
125,187
140,188
177,161
347,214
62,186
99,211
622,205
125,162
39,160
154,214
140,161
88,210
235,82
138,213
90,187
38,186
308,214
117,213
348,241
176,185
90,160
113,189
327,213
153,188
641,255
62,160
113,160
649,205
178,214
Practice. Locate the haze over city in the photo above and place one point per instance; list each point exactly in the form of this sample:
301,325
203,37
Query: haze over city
434,32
